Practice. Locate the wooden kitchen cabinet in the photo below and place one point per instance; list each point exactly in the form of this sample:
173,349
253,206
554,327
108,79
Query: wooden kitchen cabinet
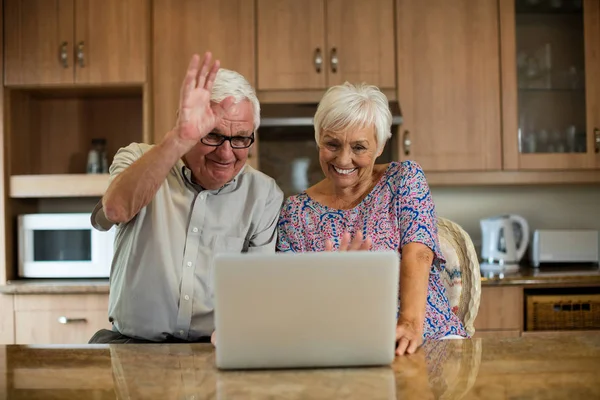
314,44
500,312
448,61
59,318
184,27
550,84
82,42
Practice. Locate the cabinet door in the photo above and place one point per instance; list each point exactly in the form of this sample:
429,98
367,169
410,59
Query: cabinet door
500,309
360,42
38,42
111,41
449,83
59,319
225,27
58,327
550,84
291,44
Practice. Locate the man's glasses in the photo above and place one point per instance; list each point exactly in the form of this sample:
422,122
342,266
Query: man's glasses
236,142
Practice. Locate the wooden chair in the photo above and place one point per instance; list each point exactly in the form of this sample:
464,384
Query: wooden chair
461,277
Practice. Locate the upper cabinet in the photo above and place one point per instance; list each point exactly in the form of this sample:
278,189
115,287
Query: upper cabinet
448,84
314,44
186,27
66,42
550,84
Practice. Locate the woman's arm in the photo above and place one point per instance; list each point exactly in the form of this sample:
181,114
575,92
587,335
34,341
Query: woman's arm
414,282
420,251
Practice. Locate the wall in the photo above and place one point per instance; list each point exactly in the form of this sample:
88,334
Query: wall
564,206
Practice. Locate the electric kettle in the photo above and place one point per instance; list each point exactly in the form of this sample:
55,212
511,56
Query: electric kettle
504,240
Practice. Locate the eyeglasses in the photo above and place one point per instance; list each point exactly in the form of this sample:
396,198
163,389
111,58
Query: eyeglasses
236,142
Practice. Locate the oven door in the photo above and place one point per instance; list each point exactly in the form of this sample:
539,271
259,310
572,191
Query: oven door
63,246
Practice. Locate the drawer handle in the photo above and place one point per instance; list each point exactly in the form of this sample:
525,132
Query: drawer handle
66,320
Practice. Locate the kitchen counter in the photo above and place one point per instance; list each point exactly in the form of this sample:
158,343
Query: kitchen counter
55,286
561,275
545,367
527,276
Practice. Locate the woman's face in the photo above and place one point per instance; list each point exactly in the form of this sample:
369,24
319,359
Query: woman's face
347,158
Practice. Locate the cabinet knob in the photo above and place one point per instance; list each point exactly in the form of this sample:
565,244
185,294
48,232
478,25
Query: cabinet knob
63,56
597,139
80,54
334,60
67,320
318,60
406,142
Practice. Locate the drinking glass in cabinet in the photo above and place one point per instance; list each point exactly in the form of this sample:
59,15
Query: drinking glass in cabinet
551,76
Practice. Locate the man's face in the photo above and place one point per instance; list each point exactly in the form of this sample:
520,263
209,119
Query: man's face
212,167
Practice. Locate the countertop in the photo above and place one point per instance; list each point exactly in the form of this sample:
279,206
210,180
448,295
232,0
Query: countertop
527,276
55,286
545,367
548,275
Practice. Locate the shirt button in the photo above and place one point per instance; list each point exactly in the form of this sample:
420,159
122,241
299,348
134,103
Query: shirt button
186,297
202,196
181,332
194,229
189,263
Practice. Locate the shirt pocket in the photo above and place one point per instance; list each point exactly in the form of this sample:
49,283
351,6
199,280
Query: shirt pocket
224,244
228,244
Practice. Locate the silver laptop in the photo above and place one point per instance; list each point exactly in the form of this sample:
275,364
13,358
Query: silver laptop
305,310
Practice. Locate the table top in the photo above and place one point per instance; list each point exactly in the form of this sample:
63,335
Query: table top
542,367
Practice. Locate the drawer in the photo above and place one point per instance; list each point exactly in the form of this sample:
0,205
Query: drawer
59,319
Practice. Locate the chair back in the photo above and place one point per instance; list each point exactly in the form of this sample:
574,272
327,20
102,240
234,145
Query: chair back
461,276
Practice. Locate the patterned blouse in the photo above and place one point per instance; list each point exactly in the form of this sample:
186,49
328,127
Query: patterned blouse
399,210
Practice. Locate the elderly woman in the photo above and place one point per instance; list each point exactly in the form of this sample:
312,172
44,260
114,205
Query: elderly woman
361,205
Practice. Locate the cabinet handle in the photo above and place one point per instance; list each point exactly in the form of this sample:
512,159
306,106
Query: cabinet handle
80,55
334,60
406,142
597,139
66,320
63,56
318,60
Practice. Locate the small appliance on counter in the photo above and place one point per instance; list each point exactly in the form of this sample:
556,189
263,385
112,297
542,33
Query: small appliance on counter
63,246
504,240
565,246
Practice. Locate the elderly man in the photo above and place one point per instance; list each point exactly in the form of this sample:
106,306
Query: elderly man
179,202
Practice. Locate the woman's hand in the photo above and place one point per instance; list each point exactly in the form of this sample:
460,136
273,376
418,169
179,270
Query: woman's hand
196,115
408,337
213,338
348,244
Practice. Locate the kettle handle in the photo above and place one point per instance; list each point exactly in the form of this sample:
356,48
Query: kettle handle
522,246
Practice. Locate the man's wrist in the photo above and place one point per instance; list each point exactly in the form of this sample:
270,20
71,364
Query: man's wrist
173,143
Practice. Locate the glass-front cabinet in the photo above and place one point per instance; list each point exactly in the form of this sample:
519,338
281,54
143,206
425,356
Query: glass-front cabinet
551,84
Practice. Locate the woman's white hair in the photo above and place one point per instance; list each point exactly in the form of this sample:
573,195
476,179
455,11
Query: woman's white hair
349,106
230,83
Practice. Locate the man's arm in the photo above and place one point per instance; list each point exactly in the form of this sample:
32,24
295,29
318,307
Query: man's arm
136,185
264,239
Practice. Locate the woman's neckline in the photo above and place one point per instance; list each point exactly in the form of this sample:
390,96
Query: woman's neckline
364,200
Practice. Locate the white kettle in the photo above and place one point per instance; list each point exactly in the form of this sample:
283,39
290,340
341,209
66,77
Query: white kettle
504,240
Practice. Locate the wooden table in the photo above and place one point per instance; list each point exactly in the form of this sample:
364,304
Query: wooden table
553,367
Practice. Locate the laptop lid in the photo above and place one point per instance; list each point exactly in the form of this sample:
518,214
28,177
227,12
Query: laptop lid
288,310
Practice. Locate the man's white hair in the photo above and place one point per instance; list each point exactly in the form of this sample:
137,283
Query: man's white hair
230,83
349,106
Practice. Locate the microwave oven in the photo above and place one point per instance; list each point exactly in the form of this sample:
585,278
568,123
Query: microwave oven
63,246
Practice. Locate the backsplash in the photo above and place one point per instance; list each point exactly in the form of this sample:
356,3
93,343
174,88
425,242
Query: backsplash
560,206
544,207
